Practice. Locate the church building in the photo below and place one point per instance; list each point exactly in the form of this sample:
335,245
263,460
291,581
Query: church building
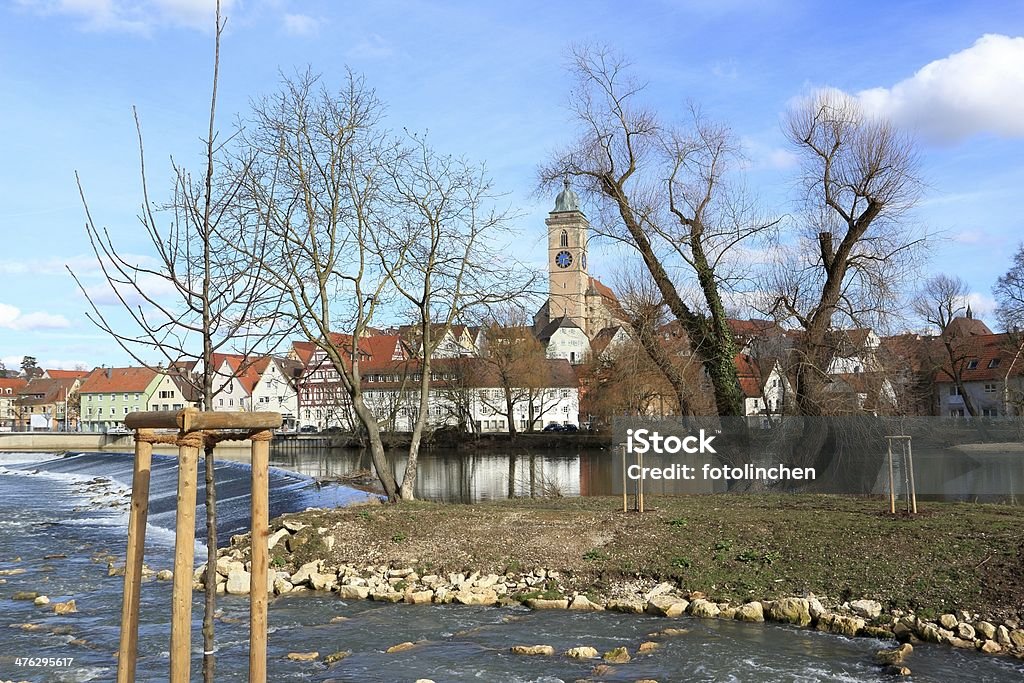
579,306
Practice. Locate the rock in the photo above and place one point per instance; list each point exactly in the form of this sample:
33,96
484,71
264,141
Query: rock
387,596
627,606
869,609
894,656
303,656
486,581
275,538
929,633
990,647
399,573
165,575
225,565
541,603
902,631
282,586
791,611
353,592
878,632
667,606
965,631
897,671
648,646
815,608
840,624
12,572
582,603
401,647
238,582
294,526
419,597
336,656
960,643
25,595
582,653
1002,635
660,589
671,632
704,608
1017,638
41,600
727,612
68,607
302,576
532,650
484,597
751,611
619,655
985,629
601,670
948,621
323,582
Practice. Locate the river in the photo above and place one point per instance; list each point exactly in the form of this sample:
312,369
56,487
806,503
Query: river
74,507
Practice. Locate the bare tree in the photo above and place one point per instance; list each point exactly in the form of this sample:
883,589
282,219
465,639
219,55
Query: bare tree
444,220
515,366
1009,294
671,194
942,300
215,301
859,179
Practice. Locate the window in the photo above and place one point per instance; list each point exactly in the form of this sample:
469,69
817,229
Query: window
989,412
177,406
126,397
956,412
954,390
994,363
126,410
89,398
991,388
220,401
563,240
231,401
972,364
99,411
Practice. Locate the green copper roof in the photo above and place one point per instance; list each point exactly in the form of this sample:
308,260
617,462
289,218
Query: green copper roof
567,200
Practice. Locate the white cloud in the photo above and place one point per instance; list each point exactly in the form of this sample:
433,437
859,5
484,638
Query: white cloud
130,16
12,318
977,90
300,25
372,46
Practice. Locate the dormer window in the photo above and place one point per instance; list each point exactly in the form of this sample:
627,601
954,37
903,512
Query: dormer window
994,363
972,364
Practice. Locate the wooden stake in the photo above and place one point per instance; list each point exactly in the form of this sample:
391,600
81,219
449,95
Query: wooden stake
128,649
913,488
184,552
259,551
625,481
892,487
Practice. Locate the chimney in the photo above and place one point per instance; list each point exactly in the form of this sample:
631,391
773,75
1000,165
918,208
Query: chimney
108,372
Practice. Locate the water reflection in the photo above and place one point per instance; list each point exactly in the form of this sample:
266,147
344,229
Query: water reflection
992,475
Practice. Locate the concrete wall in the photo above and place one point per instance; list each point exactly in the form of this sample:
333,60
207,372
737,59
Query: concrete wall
57,441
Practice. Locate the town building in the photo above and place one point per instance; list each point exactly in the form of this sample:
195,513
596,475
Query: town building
45,404
10,387
108,394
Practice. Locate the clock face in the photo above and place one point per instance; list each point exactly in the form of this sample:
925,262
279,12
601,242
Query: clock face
563,259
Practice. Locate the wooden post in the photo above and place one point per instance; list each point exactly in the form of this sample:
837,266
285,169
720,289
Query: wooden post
913,488
259,553
640,484
127,651
184,555
625,481
892,487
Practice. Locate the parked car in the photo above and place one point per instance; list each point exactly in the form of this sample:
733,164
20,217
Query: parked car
306,429
570,428
553,427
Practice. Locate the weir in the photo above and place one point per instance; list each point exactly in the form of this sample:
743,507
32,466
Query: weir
194,431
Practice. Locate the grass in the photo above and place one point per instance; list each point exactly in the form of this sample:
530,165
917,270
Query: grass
732,547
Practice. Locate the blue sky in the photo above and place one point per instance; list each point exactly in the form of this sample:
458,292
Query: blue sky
487,81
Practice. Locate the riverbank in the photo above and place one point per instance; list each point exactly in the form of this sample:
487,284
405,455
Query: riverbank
953,574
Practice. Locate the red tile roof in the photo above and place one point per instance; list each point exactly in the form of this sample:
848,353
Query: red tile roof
117,380
67,374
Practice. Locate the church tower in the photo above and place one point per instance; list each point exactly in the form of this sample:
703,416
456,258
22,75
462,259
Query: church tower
567,259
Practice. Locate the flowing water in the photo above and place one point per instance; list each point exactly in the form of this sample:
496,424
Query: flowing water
73,510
